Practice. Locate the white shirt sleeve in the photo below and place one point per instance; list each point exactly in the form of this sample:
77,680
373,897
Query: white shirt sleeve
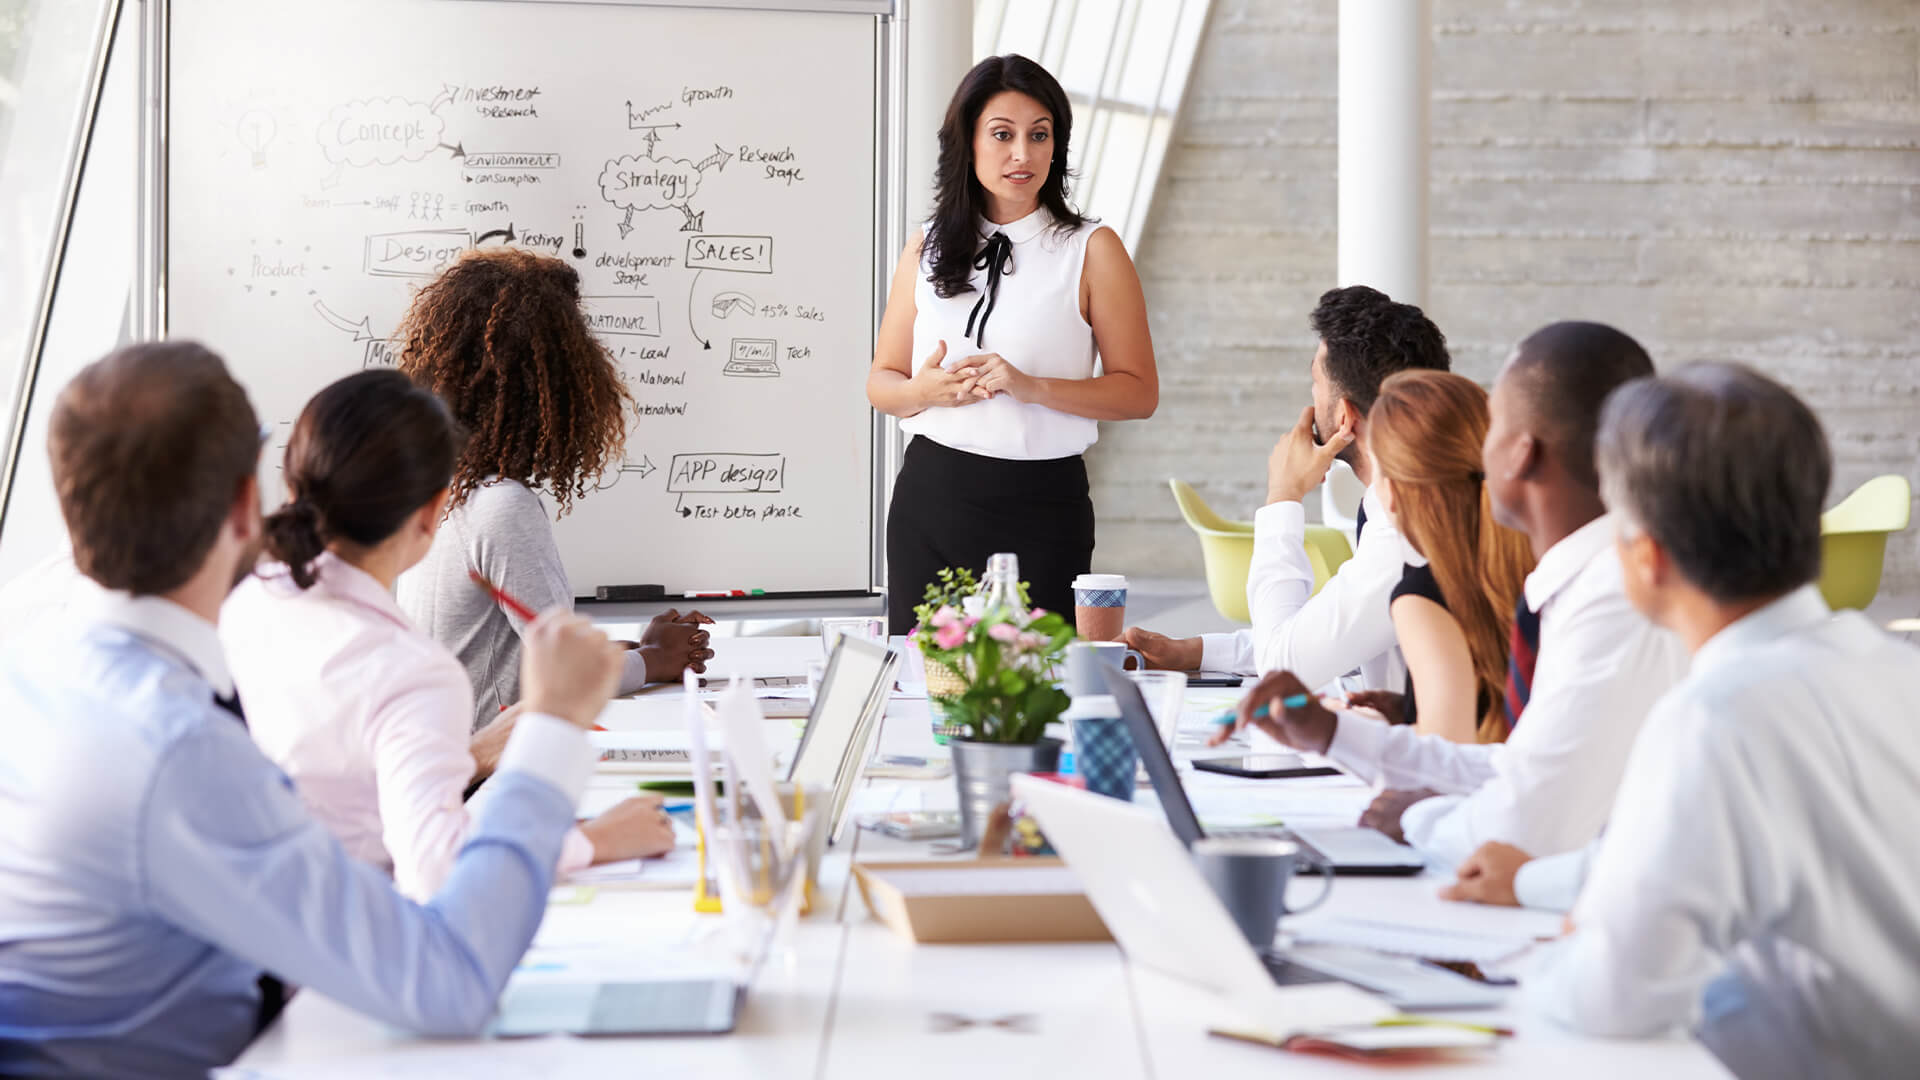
1231,652
1555,778
1552,882
1396,756
1665,890
1318,636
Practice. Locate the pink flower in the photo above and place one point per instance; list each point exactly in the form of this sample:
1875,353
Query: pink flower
950,636
1036,613
1004,633
946,616
1032,641
972,621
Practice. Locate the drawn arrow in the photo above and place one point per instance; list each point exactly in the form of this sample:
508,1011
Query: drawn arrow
704,343
718,159
486,236
681,510
332,179
361,331
459,149
626,223
447,90
645,468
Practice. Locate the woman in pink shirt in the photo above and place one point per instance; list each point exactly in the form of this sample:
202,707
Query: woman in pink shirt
369,716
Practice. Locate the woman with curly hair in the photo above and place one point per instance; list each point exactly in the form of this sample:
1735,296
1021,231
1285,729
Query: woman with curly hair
501,337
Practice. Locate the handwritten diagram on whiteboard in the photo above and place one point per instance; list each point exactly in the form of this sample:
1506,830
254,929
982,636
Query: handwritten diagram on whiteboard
709,174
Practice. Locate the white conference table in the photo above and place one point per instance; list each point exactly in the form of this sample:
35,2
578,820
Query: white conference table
843,996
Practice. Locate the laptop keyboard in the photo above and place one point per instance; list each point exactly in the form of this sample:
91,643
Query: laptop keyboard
1251,832
1287,973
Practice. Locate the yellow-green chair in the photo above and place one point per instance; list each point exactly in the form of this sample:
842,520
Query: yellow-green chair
1226,548
1853,540
1327,548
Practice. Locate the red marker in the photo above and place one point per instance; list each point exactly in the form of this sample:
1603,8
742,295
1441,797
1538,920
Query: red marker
502,596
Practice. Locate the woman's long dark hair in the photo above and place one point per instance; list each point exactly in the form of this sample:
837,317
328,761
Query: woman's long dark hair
959,202
366,454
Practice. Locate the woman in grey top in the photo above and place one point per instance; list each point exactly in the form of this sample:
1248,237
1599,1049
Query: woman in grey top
501,337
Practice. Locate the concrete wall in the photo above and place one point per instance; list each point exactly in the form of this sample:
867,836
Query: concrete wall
1735,179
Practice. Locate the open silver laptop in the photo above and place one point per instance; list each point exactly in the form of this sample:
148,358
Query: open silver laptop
1163,913
1351,850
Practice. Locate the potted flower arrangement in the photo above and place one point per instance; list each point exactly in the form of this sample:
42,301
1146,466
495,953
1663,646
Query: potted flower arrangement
1002,695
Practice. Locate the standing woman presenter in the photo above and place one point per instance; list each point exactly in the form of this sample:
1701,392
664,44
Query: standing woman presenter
998,308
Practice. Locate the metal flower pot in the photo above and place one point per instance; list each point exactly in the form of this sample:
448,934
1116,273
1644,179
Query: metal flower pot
983,772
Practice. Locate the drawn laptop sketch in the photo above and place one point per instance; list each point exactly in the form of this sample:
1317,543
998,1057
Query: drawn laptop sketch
752,358
1353,850
1138,876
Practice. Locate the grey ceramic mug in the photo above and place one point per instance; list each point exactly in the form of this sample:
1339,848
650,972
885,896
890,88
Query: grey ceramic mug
1250,875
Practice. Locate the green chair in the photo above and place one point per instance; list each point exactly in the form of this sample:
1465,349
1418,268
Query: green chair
1226,549
1327,548
1853,540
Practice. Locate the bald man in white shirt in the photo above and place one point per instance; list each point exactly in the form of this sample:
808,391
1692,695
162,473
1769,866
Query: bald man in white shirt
1757,882
1600,665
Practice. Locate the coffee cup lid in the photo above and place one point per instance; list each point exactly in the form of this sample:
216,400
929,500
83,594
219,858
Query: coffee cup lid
1100,581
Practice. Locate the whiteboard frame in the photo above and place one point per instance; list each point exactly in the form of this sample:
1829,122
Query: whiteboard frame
890,223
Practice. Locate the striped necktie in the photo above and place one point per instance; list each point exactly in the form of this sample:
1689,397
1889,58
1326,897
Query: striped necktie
1522,654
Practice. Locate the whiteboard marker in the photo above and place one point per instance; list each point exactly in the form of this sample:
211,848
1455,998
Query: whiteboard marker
712,594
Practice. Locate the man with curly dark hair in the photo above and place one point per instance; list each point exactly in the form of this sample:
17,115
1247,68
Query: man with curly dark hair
1365,336
502,338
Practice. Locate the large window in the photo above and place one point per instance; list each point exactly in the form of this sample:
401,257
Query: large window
57,88
1124,64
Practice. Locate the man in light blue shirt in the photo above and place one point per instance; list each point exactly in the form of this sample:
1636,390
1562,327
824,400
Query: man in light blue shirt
159,878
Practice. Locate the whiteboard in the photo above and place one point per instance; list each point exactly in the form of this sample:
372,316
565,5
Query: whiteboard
716,176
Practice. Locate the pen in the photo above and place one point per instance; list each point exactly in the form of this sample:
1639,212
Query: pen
1428,1021
1291,701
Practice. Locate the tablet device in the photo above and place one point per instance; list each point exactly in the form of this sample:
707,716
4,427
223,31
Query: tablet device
663,1007
1264,766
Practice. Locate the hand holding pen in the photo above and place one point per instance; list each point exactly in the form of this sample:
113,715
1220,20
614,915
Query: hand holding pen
1282,706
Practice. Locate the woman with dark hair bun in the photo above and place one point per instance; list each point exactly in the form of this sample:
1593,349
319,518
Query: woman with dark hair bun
365,713
1000,305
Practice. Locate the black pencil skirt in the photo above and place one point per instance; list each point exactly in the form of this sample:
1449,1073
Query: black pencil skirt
952,508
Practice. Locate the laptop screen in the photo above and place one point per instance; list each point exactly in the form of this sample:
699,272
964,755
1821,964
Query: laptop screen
1153,754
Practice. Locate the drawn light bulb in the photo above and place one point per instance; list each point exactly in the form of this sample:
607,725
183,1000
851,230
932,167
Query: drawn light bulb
257,129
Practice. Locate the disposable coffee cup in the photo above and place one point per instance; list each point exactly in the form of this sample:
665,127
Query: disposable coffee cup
1100,606
1250,875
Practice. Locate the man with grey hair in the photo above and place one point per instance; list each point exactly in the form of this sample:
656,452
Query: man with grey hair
1757,880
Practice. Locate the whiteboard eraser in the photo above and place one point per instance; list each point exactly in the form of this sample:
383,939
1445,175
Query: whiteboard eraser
630,592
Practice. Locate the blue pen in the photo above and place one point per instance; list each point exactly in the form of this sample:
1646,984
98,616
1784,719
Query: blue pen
1291,701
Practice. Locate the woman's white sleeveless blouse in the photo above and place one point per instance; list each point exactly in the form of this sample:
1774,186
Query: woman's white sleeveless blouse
1035,323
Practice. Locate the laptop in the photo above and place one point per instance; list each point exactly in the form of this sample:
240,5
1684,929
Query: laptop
1138,876
1352,850
846,713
